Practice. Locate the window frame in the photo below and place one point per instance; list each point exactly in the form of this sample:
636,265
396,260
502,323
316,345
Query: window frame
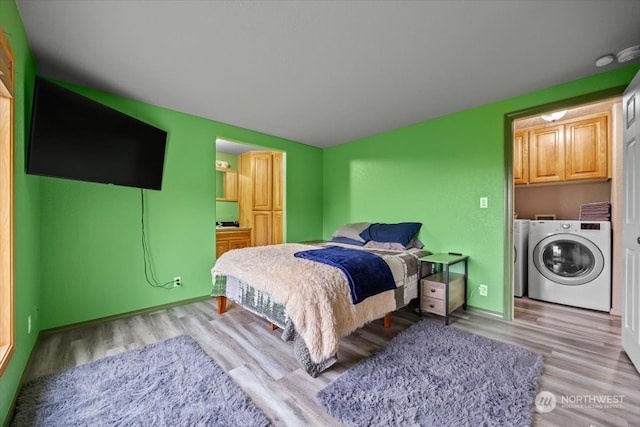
7,120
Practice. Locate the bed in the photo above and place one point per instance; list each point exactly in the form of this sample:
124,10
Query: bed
313,302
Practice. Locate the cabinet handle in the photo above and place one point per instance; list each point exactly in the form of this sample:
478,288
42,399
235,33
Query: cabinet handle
433,290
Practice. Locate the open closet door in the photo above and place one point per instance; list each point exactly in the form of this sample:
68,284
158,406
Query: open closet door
631,222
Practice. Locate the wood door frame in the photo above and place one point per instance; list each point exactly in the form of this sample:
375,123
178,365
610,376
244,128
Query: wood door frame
509,118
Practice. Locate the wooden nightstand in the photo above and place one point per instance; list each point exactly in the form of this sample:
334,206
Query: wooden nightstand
443,292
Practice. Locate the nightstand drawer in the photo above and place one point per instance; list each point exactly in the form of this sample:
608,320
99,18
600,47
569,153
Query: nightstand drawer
433,286
432,289
433,305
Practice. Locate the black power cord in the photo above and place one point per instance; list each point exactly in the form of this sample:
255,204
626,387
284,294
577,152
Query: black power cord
146,255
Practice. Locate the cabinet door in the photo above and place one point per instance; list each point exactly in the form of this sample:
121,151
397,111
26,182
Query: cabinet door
586,148
521,157
262,228
222,246
262,181
239,243
278,174
546,154
231,185
277,228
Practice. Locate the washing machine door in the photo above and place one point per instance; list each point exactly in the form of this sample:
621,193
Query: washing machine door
568,259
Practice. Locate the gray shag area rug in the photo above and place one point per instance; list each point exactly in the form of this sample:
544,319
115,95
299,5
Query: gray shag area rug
436,375
171,383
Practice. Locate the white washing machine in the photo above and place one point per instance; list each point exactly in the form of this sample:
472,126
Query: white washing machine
520,256
570,263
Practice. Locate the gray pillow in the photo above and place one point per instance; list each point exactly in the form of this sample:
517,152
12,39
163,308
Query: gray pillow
414,243
352,231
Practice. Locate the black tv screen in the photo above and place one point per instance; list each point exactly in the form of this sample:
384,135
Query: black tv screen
75,137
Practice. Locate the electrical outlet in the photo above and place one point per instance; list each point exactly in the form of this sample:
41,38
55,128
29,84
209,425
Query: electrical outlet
177,281
29,324
484,202
482,289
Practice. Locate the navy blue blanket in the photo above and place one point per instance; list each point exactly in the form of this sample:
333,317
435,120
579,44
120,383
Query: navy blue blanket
367,273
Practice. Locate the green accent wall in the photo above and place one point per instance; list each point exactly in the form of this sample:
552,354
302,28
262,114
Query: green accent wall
26,213
435,172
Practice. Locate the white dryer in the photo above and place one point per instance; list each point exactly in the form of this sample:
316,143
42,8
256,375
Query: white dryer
520,256
570,263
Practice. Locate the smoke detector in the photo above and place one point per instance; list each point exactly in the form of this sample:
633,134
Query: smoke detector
629,54
605,60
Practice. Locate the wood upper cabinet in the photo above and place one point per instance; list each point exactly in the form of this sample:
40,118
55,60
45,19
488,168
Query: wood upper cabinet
568,151
260,195
586,148
546,151
521,157
229,179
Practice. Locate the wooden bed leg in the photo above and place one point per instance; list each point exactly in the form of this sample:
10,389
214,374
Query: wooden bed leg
273,326
222,304
387,320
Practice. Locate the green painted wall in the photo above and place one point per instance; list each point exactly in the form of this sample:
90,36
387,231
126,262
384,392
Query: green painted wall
26,214
435,172
226,211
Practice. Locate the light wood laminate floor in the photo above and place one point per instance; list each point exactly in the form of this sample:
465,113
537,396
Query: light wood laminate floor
583,360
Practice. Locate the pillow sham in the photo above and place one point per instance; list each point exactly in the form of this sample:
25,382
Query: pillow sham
348,241
352,231
399,233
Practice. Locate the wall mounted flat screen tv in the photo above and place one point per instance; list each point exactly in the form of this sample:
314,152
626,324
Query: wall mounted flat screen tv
75,137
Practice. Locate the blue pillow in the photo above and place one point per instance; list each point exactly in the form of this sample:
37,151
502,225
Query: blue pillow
347,240
398,233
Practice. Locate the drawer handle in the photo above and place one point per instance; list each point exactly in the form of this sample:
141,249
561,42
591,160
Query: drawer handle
432,290
431,306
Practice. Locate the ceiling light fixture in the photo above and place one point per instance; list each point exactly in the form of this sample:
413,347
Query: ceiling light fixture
629,53
605,60
556,115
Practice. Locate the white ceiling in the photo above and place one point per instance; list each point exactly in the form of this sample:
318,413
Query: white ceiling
324,72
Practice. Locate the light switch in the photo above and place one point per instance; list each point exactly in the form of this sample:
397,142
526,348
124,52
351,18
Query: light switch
484,202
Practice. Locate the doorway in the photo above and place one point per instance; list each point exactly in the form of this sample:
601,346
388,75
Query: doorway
534,191
252,181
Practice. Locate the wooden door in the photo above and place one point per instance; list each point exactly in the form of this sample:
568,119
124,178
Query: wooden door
261,234
586,148
521,157
546,154
262,181
631,221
